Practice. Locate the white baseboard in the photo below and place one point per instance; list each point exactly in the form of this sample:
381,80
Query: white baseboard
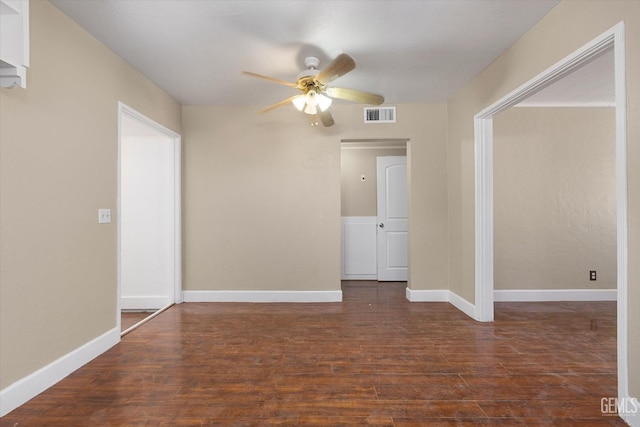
143,303
437,295
632,419
442,295
445,295
262,296
555,295
30,386
463,305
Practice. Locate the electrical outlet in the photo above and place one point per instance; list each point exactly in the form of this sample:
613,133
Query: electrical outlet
104,216
592,275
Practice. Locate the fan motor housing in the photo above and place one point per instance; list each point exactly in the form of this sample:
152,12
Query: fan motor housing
312,63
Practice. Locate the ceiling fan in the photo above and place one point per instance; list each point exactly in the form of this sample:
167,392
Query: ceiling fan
316,95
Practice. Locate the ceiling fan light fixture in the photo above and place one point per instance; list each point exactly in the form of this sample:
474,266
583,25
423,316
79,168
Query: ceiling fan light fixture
299,102
312,102
311,109
311,98
324,102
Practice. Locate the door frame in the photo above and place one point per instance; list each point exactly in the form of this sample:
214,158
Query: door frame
125,110
483,148
376,143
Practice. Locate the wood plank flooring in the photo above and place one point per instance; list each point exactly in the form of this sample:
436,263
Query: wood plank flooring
374,359
130,318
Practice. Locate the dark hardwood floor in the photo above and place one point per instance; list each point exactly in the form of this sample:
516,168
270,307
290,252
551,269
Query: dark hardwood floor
374,359
130,318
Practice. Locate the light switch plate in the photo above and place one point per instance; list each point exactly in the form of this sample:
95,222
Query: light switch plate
104,216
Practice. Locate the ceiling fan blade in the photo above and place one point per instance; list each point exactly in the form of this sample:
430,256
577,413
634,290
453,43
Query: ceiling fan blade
355,95
271,79
279,104
338,67
326,118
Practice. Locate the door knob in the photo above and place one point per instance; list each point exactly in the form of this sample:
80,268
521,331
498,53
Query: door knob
381,225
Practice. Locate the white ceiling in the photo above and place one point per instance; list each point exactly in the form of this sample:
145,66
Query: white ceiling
405,50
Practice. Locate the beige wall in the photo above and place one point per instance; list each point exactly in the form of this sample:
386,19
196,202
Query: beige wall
565,29
554,198
58,157
359,198
262,196
261,201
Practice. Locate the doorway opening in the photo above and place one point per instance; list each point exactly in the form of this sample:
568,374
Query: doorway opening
484,232
363,230
148,218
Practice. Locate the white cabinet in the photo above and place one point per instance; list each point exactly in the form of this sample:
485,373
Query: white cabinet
14,42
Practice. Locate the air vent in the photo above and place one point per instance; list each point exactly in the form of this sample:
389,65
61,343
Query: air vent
379,114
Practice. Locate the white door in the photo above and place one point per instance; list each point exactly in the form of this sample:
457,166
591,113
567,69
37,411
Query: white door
147,216
393,258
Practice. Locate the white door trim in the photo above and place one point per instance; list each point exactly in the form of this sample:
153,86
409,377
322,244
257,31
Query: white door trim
125,110
484,297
